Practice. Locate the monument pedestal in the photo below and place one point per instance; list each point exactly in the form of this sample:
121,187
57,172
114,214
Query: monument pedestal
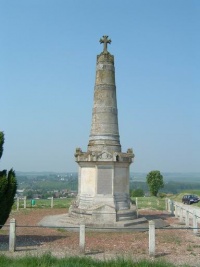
103,187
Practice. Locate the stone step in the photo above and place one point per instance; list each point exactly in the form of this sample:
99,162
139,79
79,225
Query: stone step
134,222
127,218
122,195
127,211
122,205
126,214
121,198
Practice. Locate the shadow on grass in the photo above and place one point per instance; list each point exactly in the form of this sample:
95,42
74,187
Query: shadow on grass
27,242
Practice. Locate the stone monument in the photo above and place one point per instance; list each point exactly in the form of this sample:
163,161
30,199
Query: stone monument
103,176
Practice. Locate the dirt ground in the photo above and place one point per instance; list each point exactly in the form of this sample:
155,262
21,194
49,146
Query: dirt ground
179,246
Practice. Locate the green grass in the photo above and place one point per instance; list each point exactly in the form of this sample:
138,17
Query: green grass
143,202
47,260
150,202
45,203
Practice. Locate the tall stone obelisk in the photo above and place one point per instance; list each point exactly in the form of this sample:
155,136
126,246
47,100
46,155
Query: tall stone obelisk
104,131
103,183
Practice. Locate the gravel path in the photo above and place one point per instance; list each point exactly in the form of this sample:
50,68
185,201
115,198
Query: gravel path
177,246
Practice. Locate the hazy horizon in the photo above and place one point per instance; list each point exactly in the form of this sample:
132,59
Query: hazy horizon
132,172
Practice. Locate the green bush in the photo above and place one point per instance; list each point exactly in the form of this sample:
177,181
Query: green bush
137,193
8,187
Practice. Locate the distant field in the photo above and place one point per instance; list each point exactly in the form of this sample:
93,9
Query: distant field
192,192
170,176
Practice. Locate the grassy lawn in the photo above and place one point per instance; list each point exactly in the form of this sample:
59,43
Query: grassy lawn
150,202
49,261
143,202
159,203
45,203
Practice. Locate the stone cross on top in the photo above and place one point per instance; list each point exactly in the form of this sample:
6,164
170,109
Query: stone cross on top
105,41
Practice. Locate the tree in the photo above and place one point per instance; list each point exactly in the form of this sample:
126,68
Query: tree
8,188
155,182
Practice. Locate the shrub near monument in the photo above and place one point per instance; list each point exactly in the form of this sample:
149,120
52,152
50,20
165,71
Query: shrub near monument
8,187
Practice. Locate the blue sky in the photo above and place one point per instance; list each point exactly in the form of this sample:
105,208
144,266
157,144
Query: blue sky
48,55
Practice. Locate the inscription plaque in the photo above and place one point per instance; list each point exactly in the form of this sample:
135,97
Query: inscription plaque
104,183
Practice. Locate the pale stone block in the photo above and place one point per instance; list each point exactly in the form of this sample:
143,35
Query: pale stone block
172,207
18,203
88,175
187,218
195,225
169,205
25,202
181,215
12,235
152,241
176,210
166,204
52,202
82,238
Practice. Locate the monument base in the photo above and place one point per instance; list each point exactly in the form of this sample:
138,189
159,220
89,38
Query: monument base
103,187
102,214
73,223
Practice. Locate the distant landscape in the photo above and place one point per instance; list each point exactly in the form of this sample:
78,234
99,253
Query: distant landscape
59,185
186,177
174,182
